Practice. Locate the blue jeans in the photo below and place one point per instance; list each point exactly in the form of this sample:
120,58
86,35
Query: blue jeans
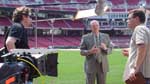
29,83
147,80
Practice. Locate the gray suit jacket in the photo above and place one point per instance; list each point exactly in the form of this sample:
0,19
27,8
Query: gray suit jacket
87,42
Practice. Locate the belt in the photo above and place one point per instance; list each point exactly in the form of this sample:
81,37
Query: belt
147,79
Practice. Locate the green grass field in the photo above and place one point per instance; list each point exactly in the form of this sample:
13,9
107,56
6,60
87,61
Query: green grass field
70,69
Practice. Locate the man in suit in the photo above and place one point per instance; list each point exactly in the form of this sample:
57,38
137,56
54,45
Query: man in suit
95,46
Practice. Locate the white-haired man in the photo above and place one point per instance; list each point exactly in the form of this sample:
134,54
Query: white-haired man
95,46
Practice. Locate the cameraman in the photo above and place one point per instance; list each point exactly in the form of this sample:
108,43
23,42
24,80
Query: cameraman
16,37
17,34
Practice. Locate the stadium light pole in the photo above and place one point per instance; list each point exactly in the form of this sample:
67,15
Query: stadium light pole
126,6
36,17
52,32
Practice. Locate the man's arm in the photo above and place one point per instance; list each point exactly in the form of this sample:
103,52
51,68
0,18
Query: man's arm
109,46
106,47
10,43
141,54
93,50
83,48
140,39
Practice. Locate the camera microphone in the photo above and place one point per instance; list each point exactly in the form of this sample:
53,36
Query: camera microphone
8,54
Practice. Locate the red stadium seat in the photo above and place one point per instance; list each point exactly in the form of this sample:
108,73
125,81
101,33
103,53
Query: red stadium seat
64,1
82,1
1,5
133,2
76,24
4,21
42,24
148,2
32,0
49,1
12,5
70,9
45,41
1,41
52,8
118,10
121,41
60,24
117,2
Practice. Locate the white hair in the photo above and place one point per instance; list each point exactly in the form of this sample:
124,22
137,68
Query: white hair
94,21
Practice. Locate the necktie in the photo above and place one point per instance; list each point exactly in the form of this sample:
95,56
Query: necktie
97,43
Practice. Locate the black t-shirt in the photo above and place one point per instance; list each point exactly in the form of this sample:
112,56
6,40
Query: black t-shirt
18,31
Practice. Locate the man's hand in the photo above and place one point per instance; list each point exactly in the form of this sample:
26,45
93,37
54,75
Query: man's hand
125,52
94,50
103,46
132,76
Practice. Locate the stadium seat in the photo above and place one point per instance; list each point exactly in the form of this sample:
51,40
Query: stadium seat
42,24
45,41
132,2
31,1
52,8
12,5
60,24
117,2
82,1
49,1
12,1
118,10
148,2
121,41
64,1
70,9
76,24
4,21
1,41
1,5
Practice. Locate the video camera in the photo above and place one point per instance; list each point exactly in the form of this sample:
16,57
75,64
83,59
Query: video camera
25,64
18,67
